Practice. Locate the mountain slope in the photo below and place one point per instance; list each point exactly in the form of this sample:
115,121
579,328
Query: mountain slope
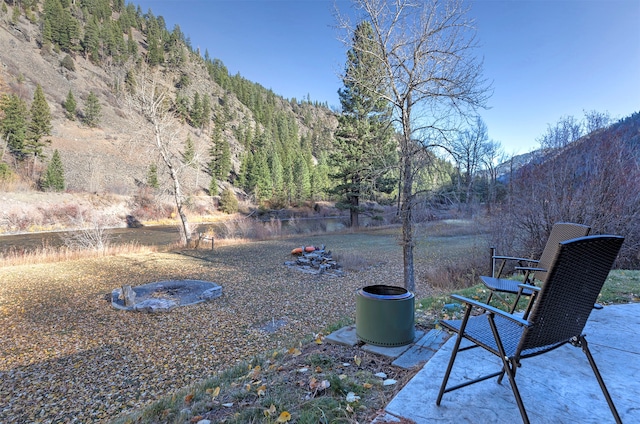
108,158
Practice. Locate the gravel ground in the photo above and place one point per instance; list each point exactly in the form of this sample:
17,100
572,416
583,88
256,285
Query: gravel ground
67,356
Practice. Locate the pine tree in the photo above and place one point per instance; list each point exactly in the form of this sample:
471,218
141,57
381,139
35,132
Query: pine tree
196,111
152,176
364,148
189,153
154,53
39,125
264,186
70,106
13,127
91,41
277,176
302,180
228,201
92,110
220,156
206,112
53,178
132,45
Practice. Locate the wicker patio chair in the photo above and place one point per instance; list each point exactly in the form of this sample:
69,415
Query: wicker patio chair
563,305
534,271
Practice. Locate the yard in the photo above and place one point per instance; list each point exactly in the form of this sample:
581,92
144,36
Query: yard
66,355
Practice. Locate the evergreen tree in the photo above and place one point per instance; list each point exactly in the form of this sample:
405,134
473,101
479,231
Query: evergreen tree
320,183
196,111
189,153
152,176
220,156
182,107
91,41
245,171
130,81
13,126
364,145
70,106
302,180
213,186
154,52
277,176
206,111
132,45
53,178
228,201
39,125
92,110
264,186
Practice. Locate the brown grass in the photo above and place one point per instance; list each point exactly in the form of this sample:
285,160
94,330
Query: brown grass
66,354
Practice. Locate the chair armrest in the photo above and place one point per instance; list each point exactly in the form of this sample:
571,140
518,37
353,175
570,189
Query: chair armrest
514,258
530,287
491,309
529,268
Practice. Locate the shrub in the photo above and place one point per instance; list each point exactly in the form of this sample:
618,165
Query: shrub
5,172
228,201
67,63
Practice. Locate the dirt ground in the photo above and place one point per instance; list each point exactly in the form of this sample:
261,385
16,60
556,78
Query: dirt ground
66,355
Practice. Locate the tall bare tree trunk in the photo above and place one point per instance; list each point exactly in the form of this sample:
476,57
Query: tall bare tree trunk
148,98
177,191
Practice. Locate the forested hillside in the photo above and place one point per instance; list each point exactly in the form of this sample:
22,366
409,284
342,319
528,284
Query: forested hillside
83,54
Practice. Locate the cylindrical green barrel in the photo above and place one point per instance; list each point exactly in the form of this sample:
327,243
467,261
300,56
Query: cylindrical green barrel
385,315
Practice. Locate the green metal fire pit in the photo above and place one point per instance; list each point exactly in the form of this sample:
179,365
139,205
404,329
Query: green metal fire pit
385,315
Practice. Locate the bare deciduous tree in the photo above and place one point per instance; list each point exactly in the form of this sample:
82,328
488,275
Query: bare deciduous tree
430,76
148,99
469,150
567,130
494,156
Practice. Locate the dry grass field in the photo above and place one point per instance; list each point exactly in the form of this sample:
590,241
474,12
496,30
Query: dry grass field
67,356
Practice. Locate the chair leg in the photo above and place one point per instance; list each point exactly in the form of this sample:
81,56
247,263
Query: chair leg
454,353
581,341
509,367
443,388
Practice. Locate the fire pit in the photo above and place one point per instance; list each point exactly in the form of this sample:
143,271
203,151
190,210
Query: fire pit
164,296
314,260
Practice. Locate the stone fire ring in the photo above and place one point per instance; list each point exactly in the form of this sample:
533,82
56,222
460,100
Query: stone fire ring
163,296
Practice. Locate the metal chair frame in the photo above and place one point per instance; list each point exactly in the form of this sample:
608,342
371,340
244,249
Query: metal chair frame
561,310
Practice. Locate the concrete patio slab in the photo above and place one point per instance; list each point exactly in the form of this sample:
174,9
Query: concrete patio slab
557,387
422,351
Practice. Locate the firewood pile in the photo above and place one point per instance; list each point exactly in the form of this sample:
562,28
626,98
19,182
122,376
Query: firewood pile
314,260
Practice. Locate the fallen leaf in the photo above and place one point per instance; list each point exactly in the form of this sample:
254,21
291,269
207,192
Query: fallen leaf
262,390
188,398
215,393
284,417
294,351
357,360
271,411
367,385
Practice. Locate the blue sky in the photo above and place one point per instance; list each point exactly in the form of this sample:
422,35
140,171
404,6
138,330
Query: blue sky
545,58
